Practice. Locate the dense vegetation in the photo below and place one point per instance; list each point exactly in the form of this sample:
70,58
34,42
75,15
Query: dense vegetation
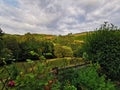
40,62
85,79
37,47
103,46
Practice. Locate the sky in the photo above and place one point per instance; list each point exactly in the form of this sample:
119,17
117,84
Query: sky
57,17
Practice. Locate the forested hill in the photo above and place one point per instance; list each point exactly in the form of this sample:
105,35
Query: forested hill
37,46
77,36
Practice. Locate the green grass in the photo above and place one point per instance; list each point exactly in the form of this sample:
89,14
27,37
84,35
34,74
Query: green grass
26,67
62,62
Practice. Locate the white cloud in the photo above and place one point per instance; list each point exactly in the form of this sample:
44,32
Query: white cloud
57,16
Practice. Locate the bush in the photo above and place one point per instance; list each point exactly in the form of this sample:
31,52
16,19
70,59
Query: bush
6,56
89,78
69,87
48,55
85,78
103,46
34,80
62,51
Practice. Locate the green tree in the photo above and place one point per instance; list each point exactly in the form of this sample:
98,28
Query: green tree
12,44
1,32
47,48
28,47
103,46
1,40
1,45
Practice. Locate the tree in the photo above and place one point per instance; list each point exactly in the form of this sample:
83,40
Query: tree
103,46
1,40
28,47
1,32
6,56
1,45
12,44
46,47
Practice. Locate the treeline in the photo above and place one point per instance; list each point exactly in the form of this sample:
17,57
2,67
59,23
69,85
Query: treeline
36,47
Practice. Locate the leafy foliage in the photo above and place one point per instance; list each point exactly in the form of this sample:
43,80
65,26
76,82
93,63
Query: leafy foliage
47,48
27,47
86,78
12,44
103,46
6,56
34,80
89,78
69,87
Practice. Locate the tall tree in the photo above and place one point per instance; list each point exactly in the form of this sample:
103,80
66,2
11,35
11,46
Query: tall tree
1,40
12,44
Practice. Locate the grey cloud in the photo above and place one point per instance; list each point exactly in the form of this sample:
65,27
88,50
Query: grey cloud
57,16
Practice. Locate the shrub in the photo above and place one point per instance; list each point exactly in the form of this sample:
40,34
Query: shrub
89,78
6,56
33,80
62,51
103,46
56,86
69,87
48,55
85,78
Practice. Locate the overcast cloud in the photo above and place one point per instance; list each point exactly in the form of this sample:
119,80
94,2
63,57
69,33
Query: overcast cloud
57,16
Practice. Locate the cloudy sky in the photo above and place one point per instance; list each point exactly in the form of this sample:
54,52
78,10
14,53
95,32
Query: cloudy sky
57,16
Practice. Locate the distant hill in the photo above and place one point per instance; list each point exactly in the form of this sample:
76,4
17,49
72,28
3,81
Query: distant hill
77,36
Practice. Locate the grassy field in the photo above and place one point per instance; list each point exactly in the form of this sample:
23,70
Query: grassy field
27,67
